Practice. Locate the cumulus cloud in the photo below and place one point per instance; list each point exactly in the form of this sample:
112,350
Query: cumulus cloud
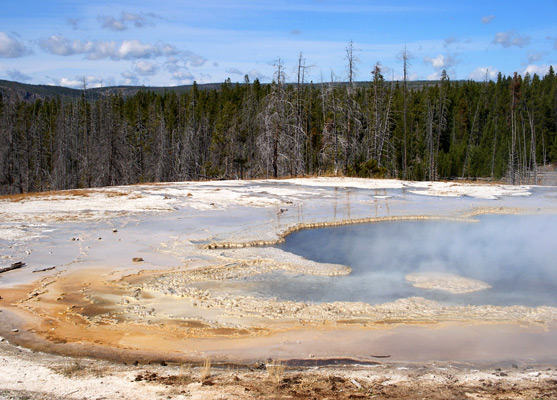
130,78
255,74
480,73
182,60
540,70
193,59
183,77
61,46
77,82
11,47
16,75
145,68
510,39
488,19
126,18
441,61
97,50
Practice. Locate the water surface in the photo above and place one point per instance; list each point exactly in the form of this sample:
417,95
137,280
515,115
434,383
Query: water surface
515,254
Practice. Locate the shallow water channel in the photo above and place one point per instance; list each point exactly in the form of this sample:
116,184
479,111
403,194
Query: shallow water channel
515,254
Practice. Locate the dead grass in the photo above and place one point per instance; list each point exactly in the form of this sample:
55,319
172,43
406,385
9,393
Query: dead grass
276,383
184,376
64,194
78,369
275,372
206,370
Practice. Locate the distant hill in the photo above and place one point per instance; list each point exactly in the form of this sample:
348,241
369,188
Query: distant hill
24,91
28,92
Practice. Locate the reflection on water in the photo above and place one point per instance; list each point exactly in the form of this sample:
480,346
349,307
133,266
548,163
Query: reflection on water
514,254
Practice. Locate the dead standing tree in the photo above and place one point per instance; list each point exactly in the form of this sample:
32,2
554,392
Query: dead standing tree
351,109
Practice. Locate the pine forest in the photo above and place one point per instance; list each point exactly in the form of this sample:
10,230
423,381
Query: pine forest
503,130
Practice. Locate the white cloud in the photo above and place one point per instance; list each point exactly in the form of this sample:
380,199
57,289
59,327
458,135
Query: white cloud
488,19
441,61
511,38
125,50
193,59
16,75
132,49
183,77
10,47
130,78
61,46
255,74
479,74
540,70
77,82
145,68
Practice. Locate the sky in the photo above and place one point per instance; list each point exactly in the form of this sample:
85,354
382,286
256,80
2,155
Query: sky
172,42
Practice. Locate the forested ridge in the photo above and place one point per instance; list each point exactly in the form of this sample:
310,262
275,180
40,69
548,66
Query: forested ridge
503,129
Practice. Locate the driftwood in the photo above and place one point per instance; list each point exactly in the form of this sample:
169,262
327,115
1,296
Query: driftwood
44,269
16,265
381,356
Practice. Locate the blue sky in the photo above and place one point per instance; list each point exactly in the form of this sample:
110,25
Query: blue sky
171,42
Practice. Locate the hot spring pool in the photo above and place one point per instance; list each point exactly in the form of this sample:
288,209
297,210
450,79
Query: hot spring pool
514,254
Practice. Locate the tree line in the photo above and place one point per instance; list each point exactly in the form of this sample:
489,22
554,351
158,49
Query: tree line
503,129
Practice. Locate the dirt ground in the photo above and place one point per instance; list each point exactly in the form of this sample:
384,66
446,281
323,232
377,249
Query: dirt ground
33,375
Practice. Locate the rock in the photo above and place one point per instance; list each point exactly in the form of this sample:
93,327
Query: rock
15,330
137,259
114,230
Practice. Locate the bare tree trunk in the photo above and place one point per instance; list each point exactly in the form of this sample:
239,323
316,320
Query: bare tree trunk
405,113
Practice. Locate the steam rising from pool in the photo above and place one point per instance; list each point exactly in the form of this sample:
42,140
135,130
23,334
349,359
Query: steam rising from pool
514,254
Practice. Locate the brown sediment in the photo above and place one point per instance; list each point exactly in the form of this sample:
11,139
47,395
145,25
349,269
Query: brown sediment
90,312
463,217
96,312
314,225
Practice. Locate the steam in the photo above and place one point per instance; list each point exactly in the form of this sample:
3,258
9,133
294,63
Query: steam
515,254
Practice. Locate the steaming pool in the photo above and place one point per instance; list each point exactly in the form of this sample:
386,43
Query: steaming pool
515,255
423,265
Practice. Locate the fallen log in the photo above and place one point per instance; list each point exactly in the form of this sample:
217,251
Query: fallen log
16,265
44,269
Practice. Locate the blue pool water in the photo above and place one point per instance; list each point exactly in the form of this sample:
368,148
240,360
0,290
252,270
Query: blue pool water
515,254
